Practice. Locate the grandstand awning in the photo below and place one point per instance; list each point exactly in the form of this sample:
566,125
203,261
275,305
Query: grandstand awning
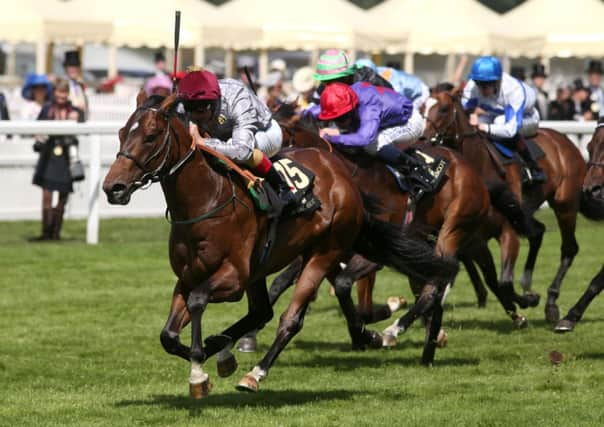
434,26
553,28
289,25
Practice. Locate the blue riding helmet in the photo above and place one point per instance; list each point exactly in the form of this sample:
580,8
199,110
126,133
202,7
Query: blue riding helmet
486,69
365,62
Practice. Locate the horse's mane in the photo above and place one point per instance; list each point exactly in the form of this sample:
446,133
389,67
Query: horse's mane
287,116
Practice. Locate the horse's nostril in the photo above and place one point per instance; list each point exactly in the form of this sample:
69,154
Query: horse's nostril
596,191
118,188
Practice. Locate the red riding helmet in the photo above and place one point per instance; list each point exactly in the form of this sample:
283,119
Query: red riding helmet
336,100
199,86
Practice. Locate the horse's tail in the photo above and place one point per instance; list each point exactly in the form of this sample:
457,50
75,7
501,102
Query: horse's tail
508,205
386,243
591,208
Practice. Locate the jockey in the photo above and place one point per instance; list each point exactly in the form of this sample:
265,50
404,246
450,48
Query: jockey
372,118
504,108
408,85
235,123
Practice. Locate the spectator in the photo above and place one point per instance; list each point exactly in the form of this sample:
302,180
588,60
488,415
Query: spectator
272,88
159,85
596,94
280,66
304,86
562,108
538,77
159,59
52,170
518,73
37,91
581,102
247,62
217,67
73,69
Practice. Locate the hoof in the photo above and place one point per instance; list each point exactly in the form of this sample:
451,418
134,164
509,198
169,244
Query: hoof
396,303
227,367
376,341
442,339
200,390
247,344
564,325
388,340
248,383
482,303
520,322
533,298
552,314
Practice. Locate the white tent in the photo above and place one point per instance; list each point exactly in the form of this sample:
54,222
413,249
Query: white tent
434,26
19,22
553,28
278,24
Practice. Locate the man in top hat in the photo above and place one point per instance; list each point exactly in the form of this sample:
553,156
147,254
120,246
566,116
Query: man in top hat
596,94
538,77
518,72
73,69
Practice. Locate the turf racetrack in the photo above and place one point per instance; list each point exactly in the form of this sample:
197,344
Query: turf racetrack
80,346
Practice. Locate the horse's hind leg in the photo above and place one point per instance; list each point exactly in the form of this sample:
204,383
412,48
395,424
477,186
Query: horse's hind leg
177,320
479,289
248,343
292,319
575,314
535,239
567,220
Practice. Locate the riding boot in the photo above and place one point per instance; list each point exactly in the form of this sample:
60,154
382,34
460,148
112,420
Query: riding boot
413,169
536,173
283,190
57,223
47,224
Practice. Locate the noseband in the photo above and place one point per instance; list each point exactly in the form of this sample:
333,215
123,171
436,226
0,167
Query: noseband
149,177
441,134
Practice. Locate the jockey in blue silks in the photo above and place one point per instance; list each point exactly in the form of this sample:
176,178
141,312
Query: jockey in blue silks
503,107
406,84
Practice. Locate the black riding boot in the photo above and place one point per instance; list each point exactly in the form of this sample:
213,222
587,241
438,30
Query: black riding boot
413,169
536,173
282,188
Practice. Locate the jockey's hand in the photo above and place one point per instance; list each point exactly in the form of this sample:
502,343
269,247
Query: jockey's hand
329,131
479,111
474,119
194,132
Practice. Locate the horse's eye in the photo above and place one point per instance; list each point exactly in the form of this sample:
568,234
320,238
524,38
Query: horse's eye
444,109
150,138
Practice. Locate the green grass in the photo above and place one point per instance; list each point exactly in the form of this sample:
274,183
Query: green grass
79,346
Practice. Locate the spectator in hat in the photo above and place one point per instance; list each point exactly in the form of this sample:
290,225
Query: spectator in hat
73,69
518,72
581,101
36,91
280,66
272,90
304,87
247,62
159,84
538,77
159,59
596,94
563,107
217,67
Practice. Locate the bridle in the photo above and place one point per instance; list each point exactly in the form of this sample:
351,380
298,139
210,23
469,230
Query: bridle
157,174
592,163
441,133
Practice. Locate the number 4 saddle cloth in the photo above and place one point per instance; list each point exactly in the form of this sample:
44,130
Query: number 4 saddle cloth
300,180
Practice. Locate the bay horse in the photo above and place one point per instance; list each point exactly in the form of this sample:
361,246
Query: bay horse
448,124
217,237
453,213
592,207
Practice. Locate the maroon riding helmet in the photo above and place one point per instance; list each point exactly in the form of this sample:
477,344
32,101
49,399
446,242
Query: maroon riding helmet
199,90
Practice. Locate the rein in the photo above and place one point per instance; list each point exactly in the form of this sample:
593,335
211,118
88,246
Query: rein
441,134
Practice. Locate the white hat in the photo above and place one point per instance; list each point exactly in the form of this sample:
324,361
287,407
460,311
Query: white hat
303,80
246,61
271,79
278,65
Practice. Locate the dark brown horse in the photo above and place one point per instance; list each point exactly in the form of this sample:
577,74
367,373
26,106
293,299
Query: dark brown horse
217,237
592,206
563,165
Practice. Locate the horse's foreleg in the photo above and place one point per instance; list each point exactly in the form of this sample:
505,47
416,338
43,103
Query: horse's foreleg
476,280
292,319
199,382
567,220
575,314
248,343
535,239
177,320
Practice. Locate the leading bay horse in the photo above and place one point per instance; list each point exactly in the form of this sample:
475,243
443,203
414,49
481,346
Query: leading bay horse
592,206
217,237
563,165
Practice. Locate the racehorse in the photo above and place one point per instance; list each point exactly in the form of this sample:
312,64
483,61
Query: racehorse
563,165
592,206
217,238
454,213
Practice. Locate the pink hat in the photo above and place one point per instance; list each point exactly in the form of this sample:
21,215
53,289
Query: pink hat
158,81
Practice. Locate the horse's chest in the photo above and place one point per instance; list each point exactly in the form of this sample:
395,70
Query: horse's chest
196,261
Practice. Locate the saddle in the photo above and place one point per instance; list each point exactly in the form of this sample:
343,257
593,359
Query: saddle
507,154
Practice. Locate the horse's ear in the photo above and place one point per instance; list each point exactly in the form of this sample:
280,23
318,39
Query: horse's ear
457,92
168,103
141,97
